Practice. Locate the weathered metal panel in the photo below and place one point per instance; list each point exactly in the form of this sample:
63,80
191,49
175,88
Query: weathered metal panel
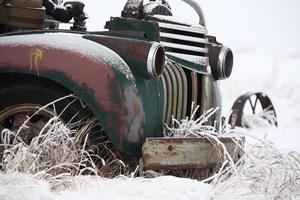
185,153
150,29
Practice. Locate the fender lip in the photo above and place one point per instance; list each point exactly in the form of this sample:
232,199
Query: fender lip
101,78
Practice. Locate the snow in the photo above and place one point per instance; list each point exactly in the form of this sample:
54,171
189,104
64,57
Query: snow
261,64
133,4
20,186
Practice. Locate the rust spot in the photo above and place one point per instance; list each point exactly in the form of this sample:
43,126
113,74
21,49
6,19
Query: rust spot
185,153
170,147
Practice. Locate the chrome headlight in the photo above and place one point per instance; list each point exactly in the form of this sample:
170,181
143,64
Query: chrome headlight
156,60
221,61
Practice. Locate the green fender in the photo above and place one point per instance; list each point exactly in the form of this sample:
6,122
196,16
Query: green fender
99,76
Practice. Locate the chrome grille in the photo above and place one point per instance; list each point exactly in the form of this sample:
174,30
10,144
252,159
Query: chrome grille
185,42
176,99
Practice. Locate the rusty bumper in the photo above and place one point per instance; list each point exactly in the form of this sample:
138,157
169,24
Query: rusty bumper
187,153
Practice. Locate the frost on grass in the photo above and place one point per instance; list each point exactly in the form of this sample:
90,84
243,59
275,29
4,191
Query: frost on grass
50,156
58,153
263,172
262,119
200,128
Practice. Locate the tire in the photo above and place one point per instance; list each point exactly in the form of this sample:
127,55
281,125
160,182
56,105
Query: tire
22,96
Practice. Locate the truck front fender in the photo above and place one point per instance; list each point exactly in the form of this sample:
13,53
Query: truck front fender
92,71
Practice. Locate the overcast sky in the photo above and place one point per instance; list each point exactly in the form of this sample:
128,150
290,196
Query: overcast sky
244,25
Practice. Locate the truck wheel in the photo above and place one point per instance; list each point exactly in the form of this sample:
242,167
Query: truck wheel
253,109
35,101
20,99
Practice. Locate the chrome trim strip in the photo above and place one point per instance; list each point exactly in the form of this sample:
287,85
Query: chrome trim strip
169,93
194,88
184,47
184,91
164,84
175,92
184,37
178,105
175,86
198,29
200,60
206,94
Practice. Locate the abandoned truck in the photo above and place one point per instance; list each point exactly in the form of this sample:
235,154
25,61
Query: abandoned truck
134,77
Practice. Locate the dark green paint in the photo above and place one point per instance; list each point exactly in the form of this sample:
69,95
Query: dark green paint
150,29
124,34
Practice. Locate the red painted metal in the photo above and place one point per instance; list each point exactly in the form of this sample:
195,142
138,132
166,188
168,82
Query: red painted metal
95,75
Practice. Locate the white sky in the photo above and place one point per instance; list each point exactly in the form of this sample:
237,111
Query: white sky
263,34
243,25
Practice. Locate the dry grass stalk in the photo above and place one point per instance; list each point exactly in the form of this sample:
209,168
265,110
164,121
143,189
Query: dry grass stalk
48,155
263,171
59,152
190,127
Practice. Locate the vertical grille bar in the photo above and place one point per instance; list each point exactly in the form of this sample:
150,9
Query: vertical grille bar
175,86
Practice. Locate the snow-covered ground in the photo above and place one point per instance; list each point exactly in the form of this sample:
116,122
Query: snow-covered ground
265,37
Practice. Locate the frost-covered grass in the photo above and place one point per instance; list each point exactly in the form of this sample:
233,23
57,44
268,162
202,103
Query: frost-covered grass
57,154
199,128
54,154
57,160
263,172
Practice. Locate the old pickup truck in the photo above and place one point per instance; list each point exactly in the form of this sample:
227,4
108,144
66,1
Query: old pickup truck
134,77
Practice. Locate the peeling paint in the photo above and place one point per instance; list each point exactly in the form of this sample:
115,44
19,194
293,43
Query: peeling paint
135,115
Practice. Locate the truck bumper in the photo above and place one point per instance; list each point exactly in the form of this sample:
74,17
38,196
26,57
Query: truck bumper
188,153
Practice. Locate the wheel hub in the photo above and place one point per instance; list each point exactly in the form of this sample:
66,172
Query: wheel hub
31,118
